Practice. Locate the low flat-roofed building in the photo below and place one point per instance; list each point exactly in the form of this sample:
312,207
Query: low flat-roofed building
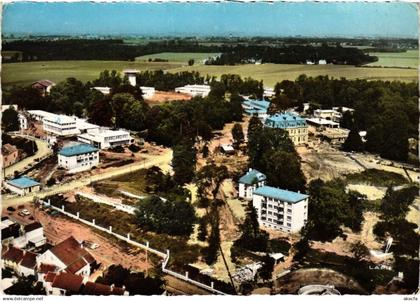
84,126
269,92
281,209
194,90
322,122
79,157
104,138
23,185
294,124
40,114
103,90
329,114
256,107
148,92
335,136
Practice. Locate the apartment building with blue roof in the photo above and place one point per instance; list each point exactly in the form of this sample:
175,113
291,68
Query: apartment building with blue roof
256,107
292,123
78,157
281,209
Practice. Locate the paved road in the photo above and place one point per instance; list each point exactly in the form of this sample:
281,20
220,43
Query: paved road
43,151
162,161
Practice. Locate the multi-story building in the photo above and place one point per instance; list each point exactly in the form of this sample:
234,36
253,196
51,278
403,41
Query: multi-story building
329,114
60,125
78,157
105,138
281,209
249,182
294,124
194,90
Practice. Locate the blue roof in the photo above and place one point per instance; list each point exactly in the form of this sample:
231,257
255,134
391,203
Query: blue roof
23,182
78,149
285,121
257,104
281,194
252,176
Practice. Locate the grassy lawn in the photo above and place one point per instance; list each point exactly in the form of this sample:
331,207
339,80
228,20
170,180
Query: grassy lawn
177,56
376,177
273,73
28,72
397,59
133,182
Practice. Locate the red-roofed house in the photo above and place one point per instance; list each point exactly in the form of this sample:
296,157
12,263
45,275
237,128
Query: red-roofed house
71,256
99,289
43,86
11,257
28,264
62,284
43,269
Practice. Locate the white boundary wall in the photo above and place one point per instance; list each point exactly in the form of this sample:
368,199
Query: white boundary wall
146,246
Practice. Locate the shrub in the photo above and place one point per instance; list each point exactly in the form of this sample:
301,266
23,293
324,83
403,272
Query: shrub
134,148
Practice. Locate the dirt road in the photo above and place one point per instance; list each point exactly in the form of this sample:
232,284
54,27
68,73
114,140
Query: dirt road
162,161
43,151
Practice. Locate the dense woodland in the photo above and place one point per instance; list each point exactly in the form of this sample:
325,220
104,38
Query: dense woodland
116,49
292,55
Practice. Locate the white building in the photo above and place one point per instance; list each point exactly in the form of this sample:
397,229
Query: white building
131,75
32,234
83,126
23,121
269,92
104,138
281,209
70,256
22,185
322,122
60,125
40,114
322,62
148,92
103,90
78,157
249,182
328,114
194,90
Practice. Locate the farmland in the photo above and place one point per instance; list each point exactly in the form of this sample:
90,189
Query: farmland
177,56
409,59
28,72
273,73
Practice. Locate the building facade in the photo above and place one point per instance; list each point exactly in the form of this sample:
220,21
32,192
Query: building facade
281,209
10,154
23,185
148,92
249,182
294,124
104,138
60,125
194,90
78,157
258,108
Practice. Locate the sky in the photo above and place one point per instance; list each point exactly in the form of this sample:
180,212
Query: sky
213,19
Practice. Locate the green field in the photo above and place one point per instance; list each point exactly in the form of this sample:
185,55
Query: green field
26,73
273,73
177,56
408,59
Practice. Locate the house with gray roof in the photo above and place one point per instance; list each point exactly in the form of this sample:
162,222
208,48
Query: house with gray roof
249,182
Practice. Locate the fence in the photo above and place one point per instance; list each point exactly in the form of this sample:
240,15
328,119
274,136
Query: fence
146,246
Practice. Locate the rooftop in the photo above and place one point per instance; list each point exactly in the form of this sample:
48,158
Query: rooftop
78,149
23,182
44,82
280,194
68,282
72,254
60,119
32,226
322,121
257,104
285,121
252,176
13,254
29,260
